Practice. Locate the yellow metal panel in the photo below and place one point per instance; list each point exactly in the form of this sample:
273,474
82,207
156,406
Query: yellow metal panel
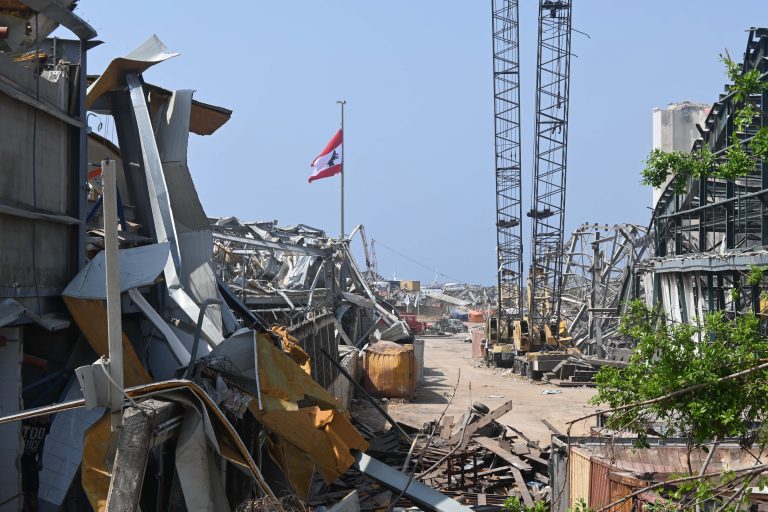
578,477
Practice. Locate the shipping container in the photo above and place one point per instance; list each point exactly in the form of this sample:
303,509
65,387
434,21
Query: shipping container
390,370
579,469
599,484
410,286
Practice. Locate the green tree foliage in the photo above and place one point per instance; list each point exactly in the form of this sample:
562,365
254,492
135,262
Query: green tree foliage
673,357
755,275
515,504
736,162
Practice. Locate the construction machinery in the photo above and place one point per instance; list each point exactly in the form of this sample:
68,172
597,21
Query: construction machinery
532,339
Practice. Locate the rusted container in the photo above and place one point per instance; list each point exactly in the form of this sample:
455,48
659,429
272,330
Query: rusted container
599,485
389,370
478,347
618,491
579,469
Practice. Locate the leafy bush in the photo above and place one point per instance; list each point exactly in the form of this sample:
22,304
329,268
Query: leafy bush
669,358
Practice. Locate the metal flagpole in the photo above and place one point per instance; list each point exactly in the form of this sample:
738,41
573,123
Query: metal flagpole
343,158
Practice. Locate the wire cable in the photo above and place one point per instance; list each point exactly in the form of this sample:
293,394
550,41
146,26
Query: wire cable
423,265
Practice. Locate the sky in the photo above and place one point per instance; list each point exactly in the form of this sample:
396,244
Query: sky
416,75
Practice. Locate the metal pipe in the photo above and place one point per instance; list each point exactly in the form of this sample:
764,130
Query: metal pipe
198,331
114,313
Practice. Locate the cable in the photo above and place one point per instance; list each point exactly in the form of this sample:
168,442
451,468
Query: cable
431,269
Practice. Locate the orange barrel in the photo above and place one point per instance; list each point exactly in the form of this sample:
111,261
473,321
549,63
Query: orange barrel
390,370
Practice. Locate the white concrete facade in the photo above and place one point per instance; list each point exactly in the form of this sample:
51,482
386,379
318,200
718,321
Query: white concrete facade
674,129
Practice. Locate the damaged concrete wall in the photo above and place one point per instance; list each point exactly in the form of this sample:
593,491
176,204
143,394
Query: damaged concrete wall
36,178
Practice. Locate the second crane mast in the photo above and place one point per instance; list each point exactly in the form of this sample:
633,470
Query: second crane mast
550,157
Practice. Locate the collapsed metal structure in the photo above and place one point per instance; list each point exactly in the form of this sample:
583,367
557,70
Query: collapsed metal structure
598,281
708,236
225,335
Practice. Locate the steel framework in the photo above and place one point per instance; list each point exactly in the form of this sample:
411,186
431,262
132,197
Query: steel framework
506,94
709,235
550,155
598,281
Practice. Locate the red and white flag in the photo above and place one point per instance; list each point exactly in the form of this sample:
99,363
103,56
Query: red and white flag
329,163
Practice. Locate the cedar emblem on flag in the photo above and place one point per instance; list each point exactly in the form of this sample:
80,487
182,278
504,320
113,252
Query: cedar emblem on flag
330,161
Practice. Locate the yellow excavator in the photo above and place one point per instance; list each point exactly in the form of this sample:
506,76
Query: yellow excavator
530,350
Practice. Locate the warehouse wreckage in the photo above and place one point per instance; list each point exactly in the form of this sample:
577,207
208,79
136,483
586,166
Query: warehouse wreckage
223,324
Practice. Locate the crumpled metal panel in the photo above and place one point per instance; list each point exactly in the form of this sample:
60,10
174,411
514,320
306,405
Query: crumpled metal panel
12,311
139,266
289,402
150,52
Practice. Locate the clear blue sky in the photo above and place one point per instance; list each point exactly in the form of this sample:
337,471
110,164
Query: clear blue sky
419,123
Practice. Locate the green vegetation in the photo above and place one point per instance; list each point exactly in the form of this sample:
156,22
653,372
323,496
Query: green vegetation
755,275
669,358
515,504
701,382
736,161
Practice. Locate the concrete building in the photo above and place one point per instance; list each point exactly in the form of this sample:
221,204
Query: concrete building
674,129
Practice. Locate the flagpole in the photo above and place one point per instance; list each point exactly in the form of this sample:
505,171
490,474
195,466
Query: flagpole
343,159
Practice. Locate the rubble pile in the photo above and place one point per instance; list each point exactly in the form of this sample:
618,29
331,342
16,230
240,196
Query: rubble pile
474,459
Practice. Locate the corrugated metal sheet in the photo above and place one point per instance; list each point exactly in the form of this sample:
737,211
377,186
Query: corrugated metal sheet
599,485
618,491
390,370
579,468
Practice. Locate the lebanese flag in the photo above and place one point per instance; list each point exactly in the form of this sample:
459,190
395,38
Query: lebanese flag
329,163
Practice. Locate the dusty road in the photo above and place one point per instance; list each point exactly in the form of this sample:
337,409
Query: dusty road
445,356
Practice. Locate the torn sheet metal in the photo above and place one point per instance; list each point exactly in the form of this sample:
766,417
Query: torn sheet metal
192,228
139,266
292,405
159,197
180,352
221,436
150,52
358,300
398,331
197,468
90,315
290,346
415,490
13,312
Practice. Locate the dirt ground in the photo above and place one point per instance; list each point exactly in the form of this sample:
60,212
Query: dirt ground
443,358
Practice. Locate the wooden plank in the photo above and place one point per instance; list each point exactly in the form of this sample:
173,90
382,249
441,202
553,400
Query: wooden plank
133,448
551,427
343,334
447,425
487,472
492,446
520,482
482,422
540,464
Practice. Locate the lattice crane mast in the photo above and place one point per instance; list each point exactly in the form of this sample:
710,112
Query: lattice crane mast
550,158
506,107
